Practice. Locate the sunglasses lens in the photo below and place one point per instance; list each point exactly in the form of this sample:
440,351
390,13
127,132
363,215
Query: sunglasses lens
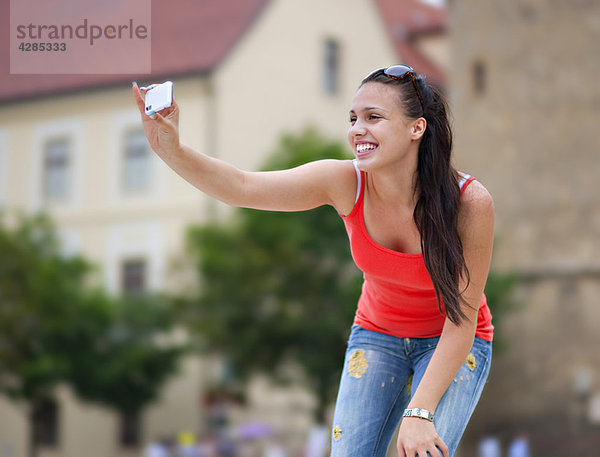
398,71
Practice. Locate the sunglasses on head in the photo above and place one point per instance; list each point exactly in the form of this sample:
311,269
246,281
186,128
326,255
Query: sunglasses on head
400,72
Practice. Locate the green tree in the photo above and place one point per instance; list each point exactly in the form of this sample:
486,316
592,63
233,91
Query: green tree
56,328
41,296
127,363
278,286
500,293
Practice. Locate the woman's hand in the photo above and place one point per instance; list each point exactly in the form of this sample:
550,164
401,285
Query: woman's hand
162,128
417,436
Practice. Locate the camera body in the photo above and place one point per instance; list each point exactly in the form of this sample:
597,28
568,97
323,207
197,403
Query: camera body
159,97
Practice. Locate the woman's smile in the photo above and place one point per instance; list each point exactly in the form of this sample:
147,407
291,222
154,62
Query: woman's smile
363,149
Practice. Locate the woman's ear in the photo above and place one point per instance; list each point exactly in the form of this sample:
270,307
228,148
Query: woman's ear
418,128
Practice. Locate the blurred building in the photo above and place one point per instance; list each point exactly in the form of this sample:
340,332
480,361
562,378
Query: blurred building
245,72
526,98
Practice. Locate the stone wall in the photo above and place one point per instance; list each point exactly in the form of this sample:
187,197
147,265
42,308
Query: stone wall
525,94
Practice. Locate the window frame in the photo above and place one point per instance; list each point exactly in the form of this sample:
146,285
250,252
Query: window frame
331,66
125,164
73,131
123,275
51,193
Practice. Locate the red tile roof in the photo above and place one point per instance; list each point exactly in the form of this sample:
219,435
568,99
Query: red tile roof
193,36
188,36
409,20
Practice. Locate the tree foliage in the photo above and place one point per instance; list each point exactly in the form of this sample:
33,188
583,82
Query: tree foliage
56,328
126,365
500,293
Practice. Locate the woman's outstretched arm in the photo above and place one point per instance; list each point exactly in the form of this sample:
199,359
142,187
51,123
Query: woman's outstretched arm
325,182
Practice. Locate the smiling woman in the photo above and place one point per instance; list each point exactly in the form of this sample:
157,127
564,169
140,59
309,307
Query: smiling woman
420,231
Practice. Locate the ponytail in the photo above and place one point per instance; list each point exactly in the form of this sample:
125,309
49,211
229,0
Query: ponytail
436,212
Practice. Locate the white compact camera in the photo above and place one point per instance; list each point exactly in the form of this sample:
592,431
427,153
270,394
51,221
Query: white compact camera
159,97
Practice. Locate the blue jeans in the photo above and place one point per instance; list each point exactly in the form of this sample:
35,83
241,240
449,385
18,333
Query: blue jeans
381,373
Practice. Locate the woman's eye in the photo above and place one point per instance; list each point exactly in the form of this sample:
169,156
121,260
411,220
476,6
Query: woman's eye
374,116
352,120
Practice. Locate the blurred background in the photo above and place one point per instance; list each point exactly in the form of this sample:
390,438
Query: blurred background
140,318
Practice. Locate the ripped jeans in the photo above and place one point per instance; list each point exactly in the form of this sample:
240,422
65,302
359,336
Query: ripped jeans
381,373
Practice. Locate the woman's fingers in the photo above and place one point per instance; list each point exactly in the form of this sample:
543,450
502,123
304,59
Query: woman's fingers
434,448
421,453
146,89
138,97
442,447
169,113
160,119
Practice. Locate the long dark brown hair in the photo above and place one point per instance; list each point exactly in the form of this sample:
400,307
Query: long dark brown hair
436,211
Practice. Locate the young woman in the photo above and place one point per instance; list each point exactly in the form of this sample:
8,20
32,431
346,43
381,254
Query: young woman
420,348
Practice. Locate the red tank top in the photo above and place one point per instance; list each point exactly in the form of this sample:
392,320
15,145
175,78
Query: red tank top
397,296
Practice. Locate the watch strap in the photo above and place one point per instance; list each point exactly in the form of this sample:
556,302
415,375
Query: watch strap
419,412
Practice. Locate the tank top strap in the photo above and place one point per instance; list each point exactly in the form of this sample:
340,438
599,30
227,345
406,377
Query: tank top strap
464,182
360,181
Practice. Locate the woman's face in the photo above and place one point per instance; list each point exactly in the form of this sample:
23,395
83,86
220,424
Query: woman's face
380,134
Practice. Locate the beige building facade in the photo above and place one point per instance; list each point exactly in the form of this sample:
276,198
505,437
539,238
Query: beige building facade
81,156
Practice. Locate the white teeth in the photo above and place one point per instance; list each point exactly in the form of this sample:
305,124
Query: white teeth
365,147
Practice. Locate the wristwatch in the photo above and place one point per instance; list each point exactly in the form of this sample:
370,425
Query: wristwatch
418,412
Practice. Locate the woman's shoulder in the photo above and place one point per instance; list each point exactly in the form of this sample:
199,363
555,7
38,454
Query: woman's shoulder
476,202
343,182
335,178
337,171
476,225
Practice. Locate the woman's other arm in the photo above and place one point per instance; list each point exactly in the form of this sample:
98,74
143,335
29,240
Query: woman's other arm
476,230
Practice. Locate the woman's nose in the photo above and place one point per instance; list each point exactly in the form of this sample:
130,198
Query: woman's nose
357,129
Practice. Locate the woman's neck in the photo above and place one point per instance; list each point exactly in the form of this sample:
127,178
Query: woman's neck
395,185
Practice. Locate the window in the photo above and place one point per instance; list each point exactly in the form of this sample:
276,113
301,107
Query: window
479,77
129,429
45,422
331,66
133,276
136,171
56,170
